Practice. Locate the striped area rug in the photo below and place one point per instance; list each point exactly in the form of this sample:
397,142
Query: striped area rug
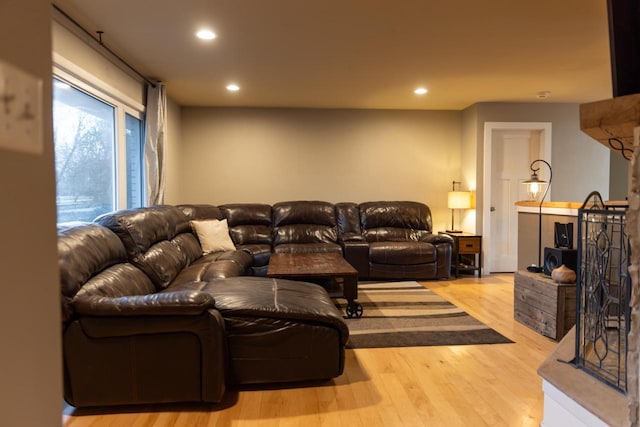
406,314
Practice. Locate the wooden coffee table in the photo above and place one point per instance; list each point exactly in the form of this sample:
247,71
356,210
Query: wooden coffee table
331,271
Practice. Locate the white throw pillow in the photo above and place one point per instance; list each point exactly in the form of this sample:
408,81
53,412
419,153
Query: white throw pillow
213,235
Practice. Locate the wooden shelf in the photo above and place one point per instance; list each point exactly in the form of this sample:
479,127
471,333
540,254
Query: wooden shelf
618,204
611,122
566,205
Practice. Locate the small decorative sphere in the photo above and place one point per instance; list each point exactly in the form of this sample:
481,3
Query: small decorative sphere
563,274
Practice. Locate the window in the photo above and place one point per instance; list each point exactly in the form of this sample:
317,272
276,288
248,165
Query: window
84,140
98,142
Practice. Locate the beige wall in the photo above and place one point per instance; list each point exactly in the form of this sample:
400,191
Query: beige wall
580,164
468,163
528,236
269,155
30,353
618,176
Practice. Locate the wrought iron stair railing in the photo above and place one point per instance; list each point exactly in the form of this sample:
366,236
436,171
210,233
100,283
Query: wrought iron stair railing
603,292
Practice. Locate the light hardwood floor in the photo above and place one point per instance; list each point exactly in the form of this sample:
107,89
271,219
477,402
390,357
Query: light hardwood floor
473,385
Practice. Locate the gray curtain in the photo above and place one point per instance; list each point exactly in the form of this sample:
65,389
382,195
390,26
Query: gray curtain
154,143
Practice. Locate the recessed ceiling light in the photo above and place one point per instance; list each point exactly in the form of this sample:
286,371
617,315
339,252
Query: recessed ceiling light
206,34
420,91
233,87
543,94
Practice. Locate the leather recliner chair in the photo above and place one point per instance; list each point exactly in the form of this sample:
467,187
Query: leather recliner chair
391,240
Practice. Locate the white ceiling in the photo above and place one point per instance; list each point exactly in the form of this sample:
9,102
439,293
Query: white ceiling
361,53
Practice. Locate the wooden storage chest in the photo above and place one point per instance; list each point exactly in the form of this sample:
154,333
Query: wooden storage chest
544,305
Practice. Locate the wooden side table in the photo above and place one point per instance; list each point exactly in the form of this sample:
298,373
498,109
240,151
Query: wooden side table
466,244
544,305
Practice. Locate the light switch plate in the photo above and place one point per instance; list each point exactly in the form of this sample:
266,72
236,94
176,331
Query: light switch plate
20,110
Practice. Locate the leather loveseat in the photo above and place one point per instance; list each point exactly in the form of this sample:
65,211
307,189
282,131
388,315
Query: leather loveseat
149,318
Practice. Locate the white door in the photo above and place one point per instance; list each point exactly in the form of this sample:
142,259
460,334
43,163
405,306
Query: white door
499,212
510,160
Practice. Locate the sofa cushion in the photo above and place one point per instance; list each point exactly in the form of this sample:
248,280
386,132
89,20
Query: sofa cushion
153,240
402,253
251,231
304,233
412,215
189,246
247,214
93,261
84,251
395,234
194,211
247,234
277,298
299,223
177,220
213,235
139,229
161,262
216,265
304,212
119,280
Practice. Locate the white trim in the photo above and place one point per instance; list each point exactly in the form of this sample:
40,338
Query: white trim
560,410
489,128
68,70
121,159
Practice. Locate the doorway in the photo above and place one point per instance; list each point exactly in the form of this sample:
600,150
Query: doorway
509,149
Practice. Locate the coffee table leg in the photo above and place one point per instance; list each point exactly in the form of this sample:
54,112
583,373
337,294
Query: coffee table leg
350,291
354,309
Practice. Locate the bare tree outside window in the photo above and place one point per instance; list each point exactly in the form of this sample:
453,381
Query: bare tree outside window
84,140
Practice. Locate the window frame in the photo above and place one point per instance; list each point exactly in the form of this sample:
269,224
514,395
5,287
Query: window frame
80,79
143,187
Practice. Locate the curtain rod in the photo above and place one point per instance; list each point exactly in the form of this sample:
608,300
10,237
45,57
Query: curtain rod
101,44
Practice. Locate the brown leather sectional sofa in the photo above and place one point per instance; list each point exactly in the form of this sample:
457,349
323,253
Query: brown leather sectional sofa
382,240
147,318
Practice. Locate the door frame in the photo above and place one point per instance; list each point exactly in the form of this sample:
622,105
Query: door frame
545,153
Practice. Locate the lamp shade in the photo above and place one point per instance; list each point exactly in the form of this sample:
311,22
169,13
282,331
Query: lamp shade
459,200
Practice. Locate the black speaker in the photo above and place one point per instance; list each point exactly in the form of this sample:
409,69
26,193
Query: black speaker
555,257
563,235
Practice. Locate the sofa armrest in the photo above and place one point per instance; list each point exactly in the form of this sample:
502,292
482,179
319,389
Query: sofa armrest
181,303
445,247
436,239
356,253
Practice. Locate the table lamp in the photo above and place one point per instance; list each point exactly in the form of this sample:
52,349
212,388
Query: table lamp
457,200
